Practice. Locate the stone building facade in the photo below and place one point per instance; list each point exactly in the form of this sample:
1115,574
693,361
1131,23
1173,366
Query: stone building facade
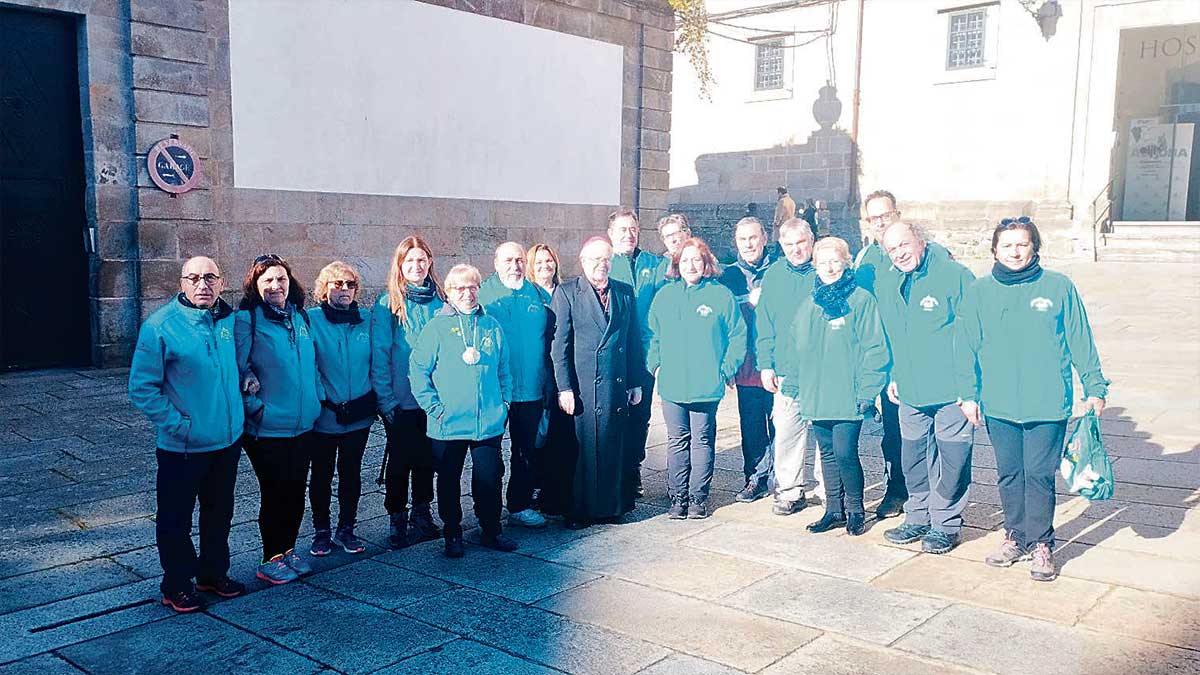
153,68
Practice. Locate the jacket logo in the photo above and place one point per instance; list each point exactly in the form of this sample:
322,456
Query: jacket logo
486,344
704,310
645,273
533,308
1041,304
838,323
363,336
929,302
225,334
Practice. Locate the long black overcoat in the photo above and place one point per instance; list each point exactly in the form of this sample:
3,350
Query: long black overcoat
596,357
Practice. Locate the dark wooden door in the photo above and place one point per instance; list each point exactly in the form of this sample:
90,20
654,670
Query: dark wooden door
44,307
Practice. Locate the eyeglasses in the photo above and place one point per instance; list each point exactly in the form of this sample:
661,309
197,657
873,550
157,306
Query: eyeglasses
883,217
269,257
1023,220
348,284
462,289
195,279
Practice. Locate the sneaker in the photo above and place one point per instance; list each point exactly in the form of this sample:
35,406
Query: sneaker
294,561
527,518
224,587
1042,568
454,547
827,522
348,541
890,506
1008,553
678,510
938,542
906,533
697,510
856,524
751,493
322,545
421,525
398,532
498,542
276,571
783,507
183,601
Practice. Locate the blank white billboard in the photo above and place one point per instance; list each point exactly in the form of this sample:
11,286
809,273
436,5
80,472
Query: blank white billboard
399,97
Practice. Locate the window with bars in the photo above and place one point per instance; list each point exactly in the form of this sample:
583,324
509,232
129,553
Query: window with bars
964,46
768,64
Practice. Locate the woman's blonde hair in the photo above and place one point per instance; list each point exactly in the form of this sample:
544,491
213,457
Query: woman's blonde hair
334,270
837,244
396,281
464,272
532,256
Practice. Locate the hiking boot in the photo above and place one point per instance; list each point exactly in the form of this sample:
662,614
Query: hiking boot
827,522
421,525
498,542
751,493
276,571
697,510
454,547
1042,568
1008,553
906,533
856,524
348,541
783,507
224,587
891,505
322,545
183,601
679,509
398,532
938,542
527,518
294,561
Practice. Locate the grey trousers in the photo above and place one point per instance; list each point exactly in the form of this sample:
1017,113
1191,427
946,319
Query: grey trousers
935,449
792,449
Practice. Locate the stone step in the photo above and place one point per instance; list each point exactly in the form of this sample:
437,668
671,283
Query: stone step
1125,241
1158,254
1157,231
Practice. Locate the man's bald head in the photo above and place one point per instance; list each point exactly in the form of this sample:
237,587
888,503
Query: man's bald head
905,245
200,281
510,264
596,260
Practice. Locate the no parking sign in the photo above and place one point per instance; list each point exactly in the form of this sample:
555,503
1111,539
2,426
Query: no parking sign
173,165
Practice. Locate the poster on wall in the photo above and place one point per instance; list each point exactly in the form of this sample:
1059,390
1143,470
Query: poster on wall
1157,170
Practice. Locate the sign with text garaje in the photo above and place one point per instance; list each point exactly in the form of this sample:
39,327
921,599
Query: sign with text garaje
173,166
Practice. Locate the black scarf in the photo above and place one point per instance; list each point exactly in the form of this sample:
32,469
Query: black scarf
423,294
831,298
803,268
754,273
338,315
1010,277
219,310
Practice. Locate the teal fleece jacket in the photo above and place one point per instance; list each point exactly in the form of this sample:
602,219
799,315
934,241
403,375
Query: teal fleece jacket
873,262
184,377
697,338
283,357
526,321
782,288
344,362
392,343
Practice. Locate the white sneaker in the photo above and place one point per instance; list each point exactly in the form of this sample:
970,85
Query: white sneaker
527,518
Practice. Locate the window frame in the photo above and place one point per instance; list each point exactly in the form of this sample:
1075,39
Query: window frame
986,70
983,37
778,43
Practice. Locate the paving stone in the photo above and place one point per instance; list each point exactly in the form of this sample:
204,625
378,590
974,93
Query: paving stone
1009,590
1131,569
968,636
328,628
682,664
43,461
1158,472
45,664
114,509
1170,542
846,607
39,588
536,634
142,561
832,554
72,547
674,621
202,645
836,655
465,656
32,482
378,584
513,576
1150,616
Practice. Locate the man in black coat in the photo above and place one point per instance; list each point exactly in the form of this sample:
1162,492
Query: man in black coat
597,354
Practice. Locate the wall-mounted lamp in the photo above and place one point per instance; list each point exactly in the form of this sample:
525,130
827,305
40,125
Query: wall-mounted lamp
1047,15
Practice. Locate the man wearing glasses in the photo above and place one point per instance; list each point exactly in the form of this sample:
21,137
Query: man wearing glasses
184,378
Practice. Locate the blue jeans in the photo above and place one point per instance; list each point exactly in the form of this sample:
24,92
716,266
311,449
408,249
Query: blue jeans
758,433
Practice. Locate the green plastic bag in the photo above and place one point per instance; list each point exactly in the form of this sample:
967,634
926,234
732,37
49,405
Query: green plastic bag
1085,465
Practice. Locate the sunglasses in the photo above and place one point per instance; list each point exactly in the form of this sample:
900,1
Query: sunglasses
1023,220
270,257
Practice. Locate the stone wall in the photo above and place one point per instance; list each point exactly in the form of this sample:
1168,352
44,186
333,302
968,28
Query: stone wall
160,67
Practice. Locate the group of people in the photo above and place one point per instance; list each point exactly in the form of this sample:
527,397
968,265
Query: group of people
811,339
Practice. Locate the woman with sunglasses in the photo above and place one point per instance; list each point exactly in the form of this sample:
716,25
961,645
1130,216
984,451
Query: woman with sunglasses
413,296
1020,331
342,332
275,350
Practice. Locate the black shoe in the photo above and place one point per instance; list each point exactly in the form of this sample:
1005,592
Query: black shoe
890,506
572,524
454,547
398,534
183,601
498,542
751,493
224,587
421,526
782,507
856,524
906,533
697,510
678,510
827,522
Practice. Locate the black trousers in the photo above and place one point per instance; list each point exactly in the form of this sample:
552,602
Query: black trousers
840,467
893,464
758,431
525,460
281,465
409,453
558,462
345,452
487,472
1027,457
636,432
182,479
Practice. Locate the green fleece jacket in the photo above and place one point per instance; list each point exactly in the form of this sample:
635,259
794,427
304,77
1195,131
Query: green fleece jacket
697,340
